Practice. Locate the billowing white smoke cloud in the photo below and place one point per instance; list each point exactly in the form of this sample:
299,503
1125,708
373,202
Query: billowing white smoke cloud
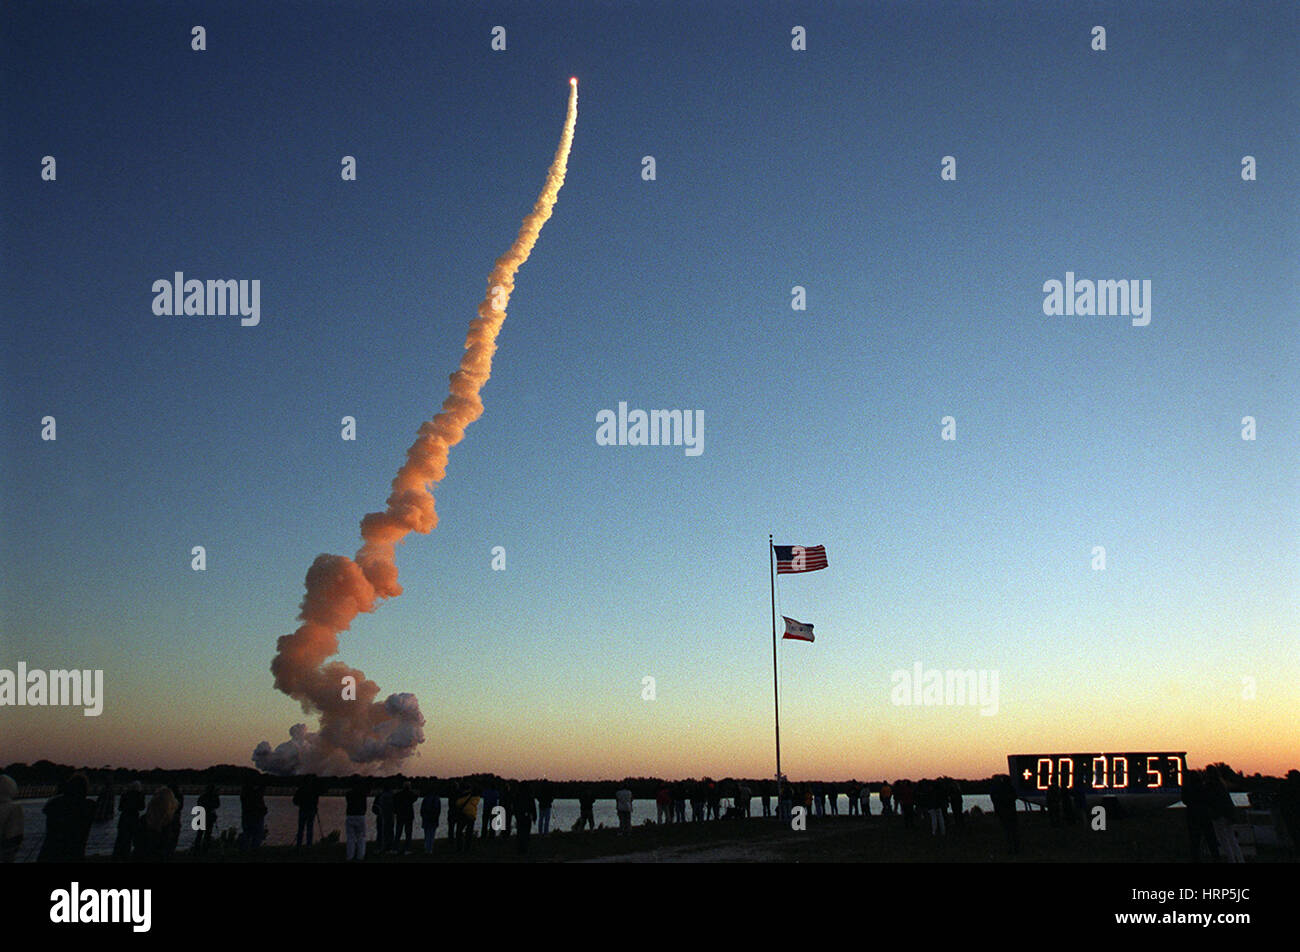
304,751
363,734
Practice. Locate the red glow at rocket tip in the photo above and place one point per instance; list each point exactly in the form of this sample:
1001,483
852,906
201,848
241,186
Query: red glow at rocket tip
573,80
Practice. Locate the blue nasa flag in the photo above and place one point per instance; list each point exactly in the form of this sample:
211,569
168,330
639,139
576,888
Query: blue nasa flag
797,630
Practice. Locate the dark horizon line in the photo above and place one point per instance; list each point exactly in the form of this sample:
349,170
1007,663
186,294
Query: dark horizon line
241,774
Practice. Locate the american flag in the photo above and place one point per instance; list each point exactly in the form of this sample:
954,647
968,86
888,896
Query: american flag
798,558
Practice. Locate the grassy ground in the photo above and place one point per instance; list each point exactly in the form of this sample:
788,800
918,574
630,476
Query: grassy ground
1154,837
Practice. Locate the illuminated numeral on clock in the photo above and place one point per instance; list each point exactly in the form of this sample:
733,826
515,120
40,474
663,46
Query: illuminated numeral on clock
1044,773
1119,772
1098,773
1160,780
1065,772
1178,768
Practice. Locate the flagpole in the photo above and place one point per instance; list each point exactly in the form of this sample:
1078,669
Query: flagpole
776,696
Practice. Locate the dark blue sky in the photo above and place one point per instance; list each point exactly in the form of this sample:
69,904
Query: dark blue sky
775,168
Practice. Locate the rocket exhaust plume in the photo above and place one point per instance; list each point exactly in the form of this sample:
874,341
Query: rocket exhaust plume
363,735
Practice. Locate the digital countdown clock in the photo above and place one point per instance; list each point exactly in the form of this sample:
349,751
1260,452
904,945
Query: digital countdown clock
1146,777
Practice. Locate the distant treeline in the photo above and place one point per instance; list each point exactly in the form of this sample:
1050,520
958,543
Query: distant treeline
43,773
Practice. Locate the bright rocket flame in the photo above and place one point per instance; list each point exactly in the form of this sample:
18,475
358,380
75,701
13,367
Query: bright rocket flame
355,728
573,80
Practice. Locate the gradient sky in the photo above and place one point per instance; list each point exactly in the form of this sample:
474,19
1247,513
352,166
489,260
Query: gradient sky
775,168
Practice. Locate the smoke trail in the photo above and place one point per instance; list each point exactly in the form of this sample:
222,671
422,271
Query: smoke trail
378,736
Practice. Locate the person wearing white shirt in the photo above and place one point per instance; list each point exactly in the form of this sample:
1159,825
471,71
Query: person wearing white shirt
623,802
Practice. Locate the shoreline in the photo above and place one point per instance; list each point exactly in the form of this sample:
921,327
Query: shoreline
1159,837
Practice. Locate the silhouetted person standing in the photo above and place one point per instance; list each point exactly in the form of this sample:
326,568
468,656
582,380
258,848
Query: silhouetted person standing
545,798
384,816
430,811
586,804
68,817
252,815
307,799
1200,823
1053,799
905,794
129,807
355,821
467,803
1290,805
1066,803
453,815
930,798
508,805
1079,800
104,802
1003,796
491,799
1222,813
456,801
173,833
11,820
155,830
697,801
210,801
525,813
623,804
953,794
404,815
